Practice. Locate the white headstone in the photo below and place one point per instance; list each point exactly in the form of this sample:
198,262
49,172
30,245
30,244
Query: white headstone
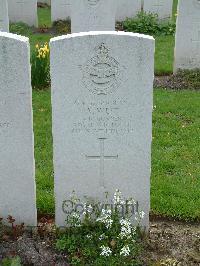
127,9
4,20
102,116
187,48
92,15
45,1
23,11
60,10
17,184
161,7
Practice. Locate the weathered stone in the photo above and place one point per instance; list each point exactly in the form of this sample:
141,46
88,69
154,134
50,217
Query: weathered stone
187,48
102,116
17,172
92,15
23,11
4,20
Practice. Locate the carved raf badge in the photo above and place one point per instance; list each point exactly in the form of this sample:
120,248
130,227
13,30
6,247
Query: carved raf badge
101,72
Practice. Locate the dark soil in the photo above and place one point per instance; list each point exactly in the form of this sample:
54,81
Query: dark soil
168,243
177,82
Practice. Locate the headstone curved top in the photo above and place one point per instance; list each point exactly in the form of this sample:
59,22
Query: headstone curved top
102,106
17,169
92,15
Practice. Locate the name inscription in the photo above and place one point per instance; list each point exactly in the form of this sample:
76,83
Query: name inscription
103,117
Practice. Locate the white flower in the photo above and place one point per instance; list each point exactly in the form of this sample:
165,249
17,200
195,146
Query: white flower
125,251
76,219
139,216
126,228
87,209
89,236
105,251
101,237
118,197
131,202
105,218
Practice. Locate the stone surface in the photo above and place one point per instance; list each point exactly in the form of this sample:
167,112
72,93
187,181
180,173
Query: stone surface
17,184
162,7
4,21
102,116
187,48
128,8
45,1
60,10
92,15
23,11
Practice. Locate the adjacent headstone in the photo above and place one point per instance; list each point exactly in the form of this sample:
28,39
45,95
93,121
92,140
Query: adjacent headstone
60,10
127,9
92,15
161,7
48,2
4,20
187,48
23,11
102,116
17,184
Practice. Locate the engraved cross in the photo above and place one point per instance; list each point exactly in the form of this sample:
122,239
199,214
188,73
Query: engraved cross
102,157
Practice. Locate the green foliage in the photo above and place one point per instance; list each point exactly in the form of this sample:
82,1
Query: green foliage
102,237
62,26
149,23
40,67
20,28
11,262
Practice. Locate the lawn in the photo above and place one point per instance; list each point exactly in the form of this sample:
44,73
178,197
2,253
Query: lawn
175,182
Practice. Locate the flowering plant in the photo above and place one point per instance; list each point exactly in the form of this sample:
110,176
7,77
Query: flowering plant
102,236
40,66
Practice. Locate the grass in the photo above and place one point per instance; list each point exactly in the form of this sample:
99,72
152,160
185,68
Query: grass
164,55
44,17
175,183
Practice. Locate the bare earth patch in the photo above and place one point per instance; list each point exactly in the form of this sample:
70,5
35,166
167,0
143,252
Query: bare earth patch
173,242
169,243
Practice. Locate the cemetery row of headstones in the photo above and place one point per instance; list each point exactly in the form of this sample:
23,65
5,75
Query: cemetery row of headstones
94,16
102,108
26,10
102,118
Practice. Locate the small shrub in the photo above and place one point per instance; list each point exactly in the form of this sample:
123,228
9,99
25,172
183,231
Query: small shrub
20,28
149,23
101,236
40,67
16,261
62,26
